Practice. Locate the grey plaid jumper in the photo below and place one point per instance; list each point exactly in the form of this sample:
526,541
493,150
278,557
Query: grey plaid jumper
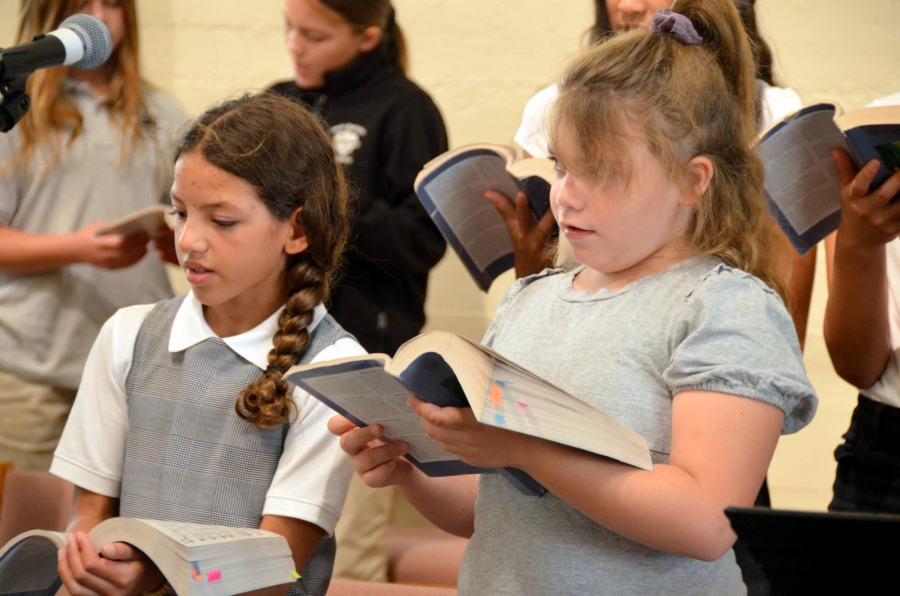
188,456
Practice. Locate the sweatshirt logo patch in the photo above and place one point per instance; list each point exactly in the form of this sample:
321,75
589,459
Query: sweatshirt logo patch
346,139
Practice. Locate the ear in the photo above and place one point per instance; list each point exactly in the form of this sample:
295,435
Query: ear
297,241
370,38
700,171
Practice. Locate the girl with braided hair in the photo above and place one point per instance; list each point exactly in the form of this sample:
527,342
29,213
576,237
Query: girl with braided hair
197,423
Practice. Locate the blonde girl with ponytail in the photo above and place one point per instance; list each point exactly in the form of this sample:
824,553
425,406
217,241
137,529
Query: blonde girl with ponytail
198,424
673,322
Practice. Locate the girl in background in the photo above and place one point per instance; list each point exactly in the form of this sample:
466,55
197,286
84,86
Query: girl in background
93,147
349,66
182,413
659,194
530,239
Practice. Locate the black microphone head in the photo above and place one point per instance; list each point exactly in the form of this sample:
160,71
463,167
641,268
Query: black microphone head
95,37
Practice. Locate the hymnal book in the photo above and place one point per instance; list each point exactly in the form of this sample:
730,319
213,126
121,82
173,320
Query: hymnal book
801,184
452,186
149,219
196,559
448,370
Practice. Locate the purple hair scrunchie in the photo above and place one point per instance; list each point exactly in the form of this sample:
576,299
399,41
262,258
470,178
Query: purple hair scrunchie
677,25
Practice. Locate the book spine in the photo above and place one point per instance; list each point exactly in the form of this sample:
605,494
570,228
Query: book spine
524,483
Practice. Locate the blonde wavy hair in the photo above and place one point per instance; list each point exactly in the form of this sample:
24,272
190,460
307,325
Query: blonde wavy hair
53,120
686,101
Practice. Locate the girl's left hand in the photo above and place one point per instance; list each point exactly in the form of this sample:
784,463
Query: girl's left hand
123,569
455,430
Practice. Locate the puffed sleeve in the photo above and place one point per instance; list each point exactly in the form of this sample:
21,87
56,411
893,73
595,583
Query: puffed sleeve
735,336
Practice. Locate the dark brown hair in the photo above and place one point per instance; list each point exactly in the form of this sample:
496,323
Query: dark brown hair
282,151
52,112
762,53
375,13
684,101
601,28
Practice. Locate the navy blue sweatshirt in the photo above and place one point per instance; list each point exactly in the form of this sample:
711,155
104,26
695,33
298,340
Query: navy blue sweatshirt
384,128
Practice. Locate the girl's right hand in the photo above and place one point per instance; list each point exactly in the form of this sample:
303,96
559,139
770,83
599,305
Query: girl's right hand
109,251
376,463
868,218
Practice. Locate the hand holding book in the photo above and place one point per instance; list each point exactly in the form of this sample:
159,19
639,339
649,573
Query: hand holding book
868,216
529,238
455,430
121,566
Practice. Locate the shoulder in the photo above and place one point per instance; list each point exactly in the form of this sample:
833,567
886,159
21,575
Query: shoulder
342,348
287,88
736,292
121,330
406,96
538,282
541,101
777,102
164,108
522,291
890,100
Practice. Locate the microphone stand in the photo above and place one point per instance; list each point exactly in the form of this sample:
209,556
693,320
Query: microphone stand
15,102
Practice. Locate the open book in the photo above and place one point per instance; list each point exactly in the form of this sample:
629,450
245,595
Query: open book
448,370
196,559
451,187
148,219
801,180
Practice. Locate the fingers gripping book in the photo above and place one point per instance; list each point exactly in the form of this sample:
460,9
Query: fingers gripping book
195,559
448,370
801,184
452,186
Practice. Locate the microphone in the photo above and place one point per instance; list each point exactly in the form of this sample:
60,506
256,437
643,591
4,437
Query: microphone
81,41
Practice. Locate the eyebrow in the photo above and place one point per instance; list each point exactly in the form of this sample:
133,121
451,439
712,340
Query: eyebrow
208,207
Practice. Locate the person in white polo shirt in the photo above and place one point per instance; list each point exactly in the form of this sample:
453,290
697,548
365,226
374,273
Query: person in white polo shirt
95,146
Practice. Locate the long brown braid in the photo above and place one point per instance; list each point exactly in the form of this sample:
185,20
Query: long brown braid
282,151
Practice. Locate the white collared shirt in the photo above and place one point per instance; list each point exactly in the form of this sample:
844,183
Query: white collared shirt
313,473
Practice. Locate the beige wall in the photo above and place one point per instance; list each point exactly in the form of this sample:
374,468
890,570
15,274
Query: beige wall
482,60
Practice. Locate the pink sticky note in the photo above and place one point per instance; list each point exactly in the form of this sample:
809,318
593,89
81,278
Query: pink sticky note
523,405
214,575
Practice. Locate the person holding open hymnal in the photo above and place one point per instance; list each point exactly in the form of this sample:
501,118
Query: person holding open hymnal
93,147
182,414
862,328
673,323
530,239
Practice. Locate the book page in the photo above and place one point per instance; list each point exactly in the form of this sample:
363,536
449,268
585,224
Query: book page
372,396
516,400
800,174
148,220
457,193
190,534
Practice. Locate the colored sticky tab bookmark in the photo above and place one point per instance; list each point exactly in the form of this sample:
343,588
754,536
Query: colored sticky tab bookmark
213,576
496,395
195,570
295,575
500,419
523,406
